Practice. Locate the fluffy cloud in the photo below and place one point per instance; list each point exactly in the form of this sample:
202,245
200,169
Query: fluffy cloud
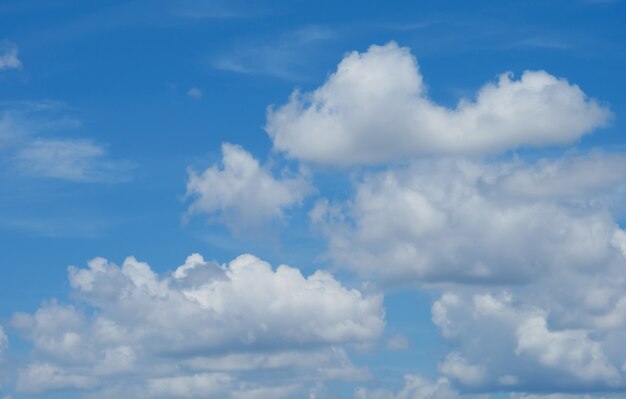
507,342
462,221
41,377
196,332
8,56
375,108
415,387
545,230
241,193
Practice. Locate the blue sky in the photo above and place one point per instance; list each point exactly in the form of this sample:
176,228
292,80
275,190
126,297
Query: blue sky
445,182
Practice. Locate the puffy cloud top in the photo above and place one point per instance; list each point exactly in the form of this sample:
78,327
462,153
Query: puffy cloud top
374,108
175,332
461,221
242,193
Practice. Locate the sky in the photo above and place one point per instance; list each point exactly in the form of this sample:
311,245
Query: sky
319,200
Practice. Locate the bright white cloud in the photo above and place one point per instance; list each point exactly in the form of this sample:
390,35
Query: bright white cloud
8,56
455,220
241,193
190,333
375,108
570,349
543,229
456,367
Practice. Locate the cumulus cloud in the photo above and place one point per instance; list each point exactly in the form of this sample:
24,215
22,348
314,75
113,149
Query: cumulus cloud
506,341
462,221
375,108
42,377
8,56
193,333
241,193
544,229
415,387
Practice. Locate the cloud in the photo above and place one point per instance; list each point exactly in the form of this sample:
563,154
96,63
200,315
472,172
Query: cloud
42,377
375,108
452,220
507,343
4,341
197,331
31,144
397,343
8,56
72,160
527,259
241,193
282,56
415,387
194,92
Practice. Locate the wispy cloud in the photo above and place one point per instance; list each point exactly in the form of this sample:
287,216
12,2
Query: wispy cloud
70,159
195,92
8,56
216,9
281,56
31,146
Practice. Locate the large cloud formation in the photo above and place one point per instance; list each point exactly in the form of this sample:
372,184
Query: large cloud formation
197,331
528,255
375,108
455,220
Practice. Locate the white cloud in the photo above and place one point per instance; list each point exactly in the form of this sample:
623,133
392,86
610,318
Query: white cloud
570,349
462,221
374,108
42,377
544,230
572,177
192,332
241,193
415,387
8,56
28,148
73,160
456,367
506,342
